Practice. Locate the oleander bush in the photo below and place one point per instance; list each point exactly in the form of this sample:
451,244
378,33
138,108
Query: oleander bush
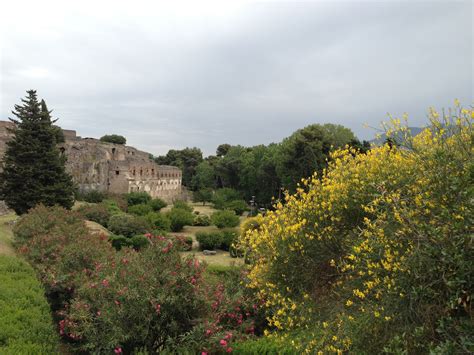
25,318
97,213
225,219
146,298
374,255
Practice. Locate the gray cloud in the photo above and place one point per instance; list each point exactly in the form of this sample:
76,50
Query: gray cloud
247,73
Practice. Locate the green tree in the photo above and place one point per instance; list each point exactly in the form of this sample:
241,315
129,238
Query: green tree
33,167
186,159
113,138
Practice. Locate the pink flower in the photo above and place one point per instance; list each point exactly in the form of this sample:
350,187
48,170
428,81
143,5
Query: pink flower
229,350
223,342
208,332
105,283
158,308
117,302
98,313
118,350
203,353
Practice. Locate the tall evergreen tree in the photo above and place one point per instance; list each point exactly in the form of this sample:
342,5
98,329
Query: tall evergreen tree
33,167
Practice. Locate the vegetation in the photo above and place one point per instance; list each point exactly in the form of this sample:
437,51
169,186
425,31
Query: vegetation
354,258
225,219
179,218
97,212
137,198
157,204
114,138
92,196
33,167
27,326
128,225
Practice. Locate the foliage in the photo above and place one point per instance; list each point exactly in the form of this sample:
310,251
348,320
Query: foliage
238,206
92,196
113,207
183,205
186,159
33,167
128,225
137,198
114,138
147,297
356,254
98,213
157,204
229,236
225,219
25,316
140,210
179,218
202,195
223,196
183,243
263,346
159,221
202,220
209,240
59,246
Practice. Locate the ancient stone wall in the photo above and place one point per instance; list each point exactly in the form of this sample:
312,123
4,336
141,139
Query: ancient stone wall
115,168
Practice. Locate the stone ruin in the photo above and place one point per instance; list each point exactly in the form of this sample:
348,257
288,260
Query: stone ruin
114,168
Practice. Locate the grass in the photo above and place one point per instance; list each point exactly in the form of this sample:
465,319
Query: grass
221,258
6,234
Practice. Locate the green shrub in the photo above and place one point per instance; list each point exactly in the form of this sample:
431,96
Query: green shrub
136,198
140,209
113,207
229,237
97,213
183,205
183,243
263,346
92,196
113,138
238,206
179,218
157,204
225,219
139,242
159,299
128,225
25,318
223,196
202,220
120,200
159,221
119,241
209,240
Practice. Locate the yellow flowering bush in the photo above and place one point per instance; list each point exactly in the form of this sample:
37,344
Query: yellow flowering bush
376,253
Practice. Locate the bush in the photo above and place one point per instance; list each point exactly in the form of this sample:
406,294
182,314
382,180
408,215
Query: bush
137,198
209,240
263,345
119,241
238,206
229,237
139,242
159,221
225,219
120,200
96,213
179,218
223,196
60,247
128,225
183,205
158,300
157,204
92,196
183,243
140,209
113,207
113,138
25,316
202,220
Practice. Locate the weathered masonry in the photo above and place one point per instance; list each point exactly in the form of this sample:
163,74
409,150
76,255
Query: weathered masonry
115,168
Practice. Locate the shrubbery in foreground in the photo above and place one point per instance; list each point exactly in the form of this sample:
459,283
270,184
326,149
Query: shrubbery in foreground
25,318
376,255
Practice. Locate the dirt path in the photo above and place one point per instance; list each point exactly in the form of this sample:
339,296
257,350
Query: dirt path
6,234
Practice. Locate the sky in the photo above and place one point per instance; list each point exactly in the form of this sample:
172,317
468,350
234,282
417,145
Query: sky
175,74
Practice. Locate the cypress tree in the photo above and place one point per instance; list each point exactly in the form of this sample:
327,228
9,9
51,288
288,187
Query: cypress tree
33,167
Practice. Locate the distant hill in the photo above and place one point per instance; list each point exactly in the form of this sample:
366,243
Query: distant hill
383,137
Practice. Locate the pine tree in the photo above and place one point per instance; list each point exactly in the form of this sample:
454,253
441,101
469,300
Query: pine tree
33,167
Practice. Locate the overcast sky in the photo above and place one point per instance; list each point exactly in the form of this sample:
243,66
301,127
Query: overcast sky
203,73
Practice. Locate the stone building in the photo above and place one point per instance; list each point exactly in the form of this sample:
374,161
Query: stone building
115,168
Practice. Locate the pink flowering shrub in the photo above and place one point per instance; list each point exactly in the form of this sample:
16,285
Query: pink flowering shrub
136,300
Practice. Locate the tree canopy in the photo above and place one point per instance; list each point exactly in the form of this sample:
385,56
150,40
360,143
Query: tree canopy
33,167
114,138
